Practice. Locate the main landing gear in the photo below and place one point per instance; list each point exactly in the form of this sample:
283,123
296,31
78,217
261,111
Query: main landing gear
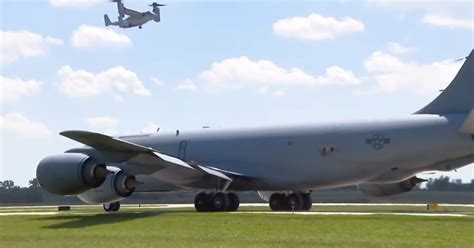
111,207
216,201
291,202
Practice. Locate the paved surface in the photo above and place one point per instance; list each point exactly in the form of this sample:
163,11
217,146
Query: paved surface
51,210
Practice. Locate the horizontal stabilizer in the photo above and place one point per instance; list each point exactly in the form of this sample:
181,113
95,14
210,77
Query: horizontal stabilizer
468,125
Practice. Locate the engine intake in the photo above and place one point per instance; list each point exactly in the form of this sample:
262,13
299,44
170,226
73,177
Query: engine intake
70,173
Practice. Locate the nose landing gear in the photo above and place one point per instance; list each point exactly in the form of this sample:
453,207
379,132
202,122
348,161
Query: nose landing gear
111,207
218,201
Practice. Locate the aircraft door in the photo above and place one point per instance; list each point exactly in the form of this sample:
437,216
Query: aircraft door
182,150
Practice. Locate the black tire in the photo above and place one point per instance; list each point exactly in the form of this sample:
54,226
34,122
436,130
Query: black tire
111,207
307,202
116,207
219,202
295,202
277,202
107,207
201,202
234,202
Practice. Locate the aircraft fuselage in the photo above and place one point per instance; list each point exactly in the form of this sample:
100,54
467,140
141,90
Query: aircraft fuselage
324,156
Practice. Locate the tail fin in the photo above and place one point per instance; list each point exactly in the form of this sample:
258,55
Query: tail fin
459,96
107,20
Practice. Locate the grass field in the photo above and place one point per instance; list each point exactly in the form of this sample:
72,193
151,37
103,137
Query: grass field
157,227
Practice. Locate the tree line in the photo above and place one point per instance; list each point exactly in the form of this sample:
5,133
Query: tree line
34,194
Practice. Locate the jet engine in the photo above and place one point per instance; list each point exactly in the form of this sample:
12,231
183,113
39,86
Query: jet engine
70,173
116,187
388,189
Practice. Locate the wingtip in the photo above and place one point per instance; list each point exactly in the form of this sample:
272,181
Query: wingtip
69,133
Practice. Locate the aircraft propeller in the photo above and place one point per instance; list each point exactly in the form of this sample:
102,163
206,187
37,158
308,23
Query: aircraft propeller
154,5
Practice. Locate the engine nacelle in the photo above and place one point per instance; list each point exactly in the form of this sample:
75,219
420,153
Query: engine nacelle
388,189
70,173
116,187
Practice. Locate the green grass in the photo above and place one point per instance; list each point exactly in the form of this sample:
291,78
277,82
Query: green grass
84,227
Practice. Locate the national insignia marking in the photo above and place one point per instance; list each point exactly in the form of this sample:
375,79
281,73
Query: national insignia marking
378,141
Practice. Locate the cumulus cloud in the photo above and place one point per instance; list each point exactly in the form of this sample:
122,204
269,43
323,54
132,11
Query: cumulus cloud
75,3
12,89
428,6
157,81
316,27
187,85
16,45
150,127
19,125
103,122
89,36
392,74
235,73
446,21
116,80
397,48
436,13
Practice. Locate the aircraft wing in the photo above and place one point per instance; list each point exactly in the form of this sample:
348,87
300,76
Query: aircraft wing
145,160
131,12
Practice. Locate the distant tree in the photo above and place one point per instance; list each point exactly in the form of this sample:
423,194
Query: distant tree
33,183
7,184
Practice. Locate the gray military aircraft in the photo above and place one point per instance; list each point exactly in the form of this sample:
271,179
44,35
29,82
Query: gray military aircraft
284,164
135,18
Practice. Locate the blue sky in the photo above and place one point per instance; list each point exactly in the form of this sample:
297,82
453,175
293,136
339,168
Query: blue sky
217,63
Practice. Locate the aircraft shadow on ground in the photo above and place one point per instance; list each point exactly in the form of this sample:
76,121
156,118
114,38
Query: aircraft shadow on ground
88,220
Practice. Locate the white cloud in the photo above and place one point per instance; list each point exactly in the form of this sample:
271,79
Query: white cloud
150,127
16,45
446,21
157,81
116,80
74,3
392,74
235,73
12,89
103,122
187,85
316,27
279,93
19,125
397,48
89,36
54,41
428,6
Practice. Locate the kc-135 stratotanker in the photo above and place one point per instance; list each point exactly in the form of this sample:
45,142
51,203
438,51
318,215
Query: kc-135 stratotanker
284,164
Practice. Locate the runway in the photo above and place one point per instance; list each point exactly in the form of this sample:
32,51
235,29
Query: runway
249,208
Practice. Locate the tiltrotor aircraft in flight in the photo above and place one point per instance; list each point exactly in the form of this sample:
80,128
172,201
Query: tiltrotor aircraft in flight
284,164
135,18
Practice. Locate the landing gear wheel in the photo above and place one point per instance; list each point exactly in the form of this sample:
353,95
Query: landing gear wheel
219,201
277,202
307,202
201,202
140,27
295,202
234,202
111,207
